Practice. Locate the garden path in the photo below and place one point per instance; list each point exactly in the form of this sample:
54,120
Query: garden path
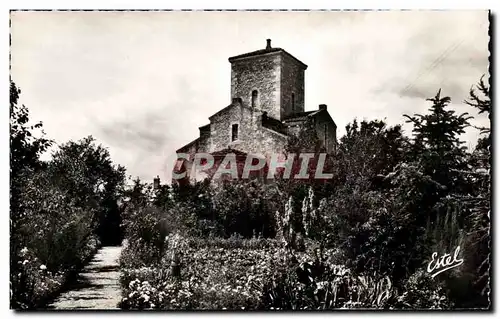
96,286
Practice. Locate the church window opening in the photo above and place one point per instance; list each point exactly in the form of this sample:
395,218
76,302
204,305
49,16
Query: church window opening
326,134
255,95
234,132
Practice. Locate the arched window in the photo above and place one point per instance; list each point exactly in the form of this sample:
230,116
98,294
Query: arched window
255,95
293,102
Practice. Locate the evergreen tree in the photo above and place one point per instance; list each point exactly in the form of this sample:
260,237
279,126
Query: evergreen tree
479,201
436,142
483,104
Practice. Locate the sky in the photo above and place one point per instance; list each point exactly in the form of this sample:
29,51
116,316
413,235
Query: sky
142,83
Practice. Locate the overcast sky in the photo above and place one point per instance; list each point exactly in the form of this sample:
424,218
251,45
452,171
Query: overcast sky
143,82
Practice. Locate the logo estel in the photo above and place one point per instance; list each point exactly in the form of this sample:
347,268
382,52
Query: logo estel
446,262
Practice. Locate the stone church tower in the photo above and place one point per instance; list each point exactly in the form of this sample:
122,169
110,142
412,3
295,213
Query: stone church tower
267,106
269,80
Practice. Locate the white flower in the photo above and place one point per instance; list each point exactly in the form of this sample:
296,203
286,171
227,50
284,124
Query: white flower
43,267
24,251
25,262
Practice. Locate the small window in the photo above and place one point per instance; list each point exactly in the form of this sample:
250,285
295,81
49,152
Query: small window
255,95
326,135
234,132
293,102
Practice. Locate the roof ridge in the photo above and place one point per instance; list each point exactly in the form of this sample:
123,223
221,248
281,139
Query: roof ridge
299,114
263,52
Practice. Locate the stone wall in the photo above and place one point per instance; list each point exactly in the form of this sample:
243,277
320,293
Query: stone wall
252,136
269,142
292,82
261,73
294,126
221,123
326,130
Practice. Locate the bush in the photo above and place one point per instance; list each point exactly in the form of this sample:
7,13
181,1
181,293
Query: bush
319,284
421,292
53,239
244,208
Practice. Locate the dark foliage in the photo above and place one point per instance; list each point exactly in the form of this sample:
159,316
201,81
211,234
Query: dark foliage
59,208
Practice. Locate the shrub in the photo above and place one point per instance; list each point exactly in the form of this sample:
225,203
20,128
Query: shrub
319,284
421,292
53,239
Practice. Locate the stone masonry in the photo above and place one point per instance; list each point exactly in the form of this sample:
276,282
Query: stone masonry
267,105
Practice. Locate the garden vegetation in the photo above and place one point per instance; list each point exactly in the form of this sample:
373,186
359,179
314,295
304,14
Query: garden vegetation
360,240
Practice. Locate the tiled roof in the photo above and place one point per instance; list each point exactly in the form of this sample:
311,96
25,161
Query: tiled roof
204,127
253,53
299,116
226,151
265,51
273,124
185,147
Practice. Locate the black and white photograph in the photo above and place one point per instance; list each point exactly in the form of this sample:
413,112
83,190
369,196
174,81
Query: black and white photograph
250,160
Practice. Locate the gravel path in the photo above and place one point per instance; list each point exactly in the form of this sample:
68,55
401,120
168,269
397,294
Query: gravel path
96,287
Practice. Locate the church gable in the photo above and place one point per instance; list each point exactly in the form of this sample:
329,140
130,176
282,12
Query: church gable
231,127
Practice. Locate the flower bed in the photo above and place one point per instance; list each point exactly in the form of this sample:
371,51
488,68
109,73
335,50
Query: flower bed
212,275
37,284
257,274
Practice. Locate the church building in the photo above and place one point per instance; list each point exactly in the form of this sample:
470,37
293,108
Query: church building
267,106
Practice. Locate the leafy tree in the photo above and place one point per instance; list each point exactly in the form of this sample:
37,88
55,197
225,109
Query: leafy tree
85,170
138,194
244,208
27,143
363,217
369,149
305,141
25,146
163,197
56,206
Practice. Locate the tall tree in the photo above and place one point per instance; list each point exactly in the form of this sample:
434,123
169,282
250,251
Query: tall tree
27,143
479,201
481,103
437,144
371,148
85,170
